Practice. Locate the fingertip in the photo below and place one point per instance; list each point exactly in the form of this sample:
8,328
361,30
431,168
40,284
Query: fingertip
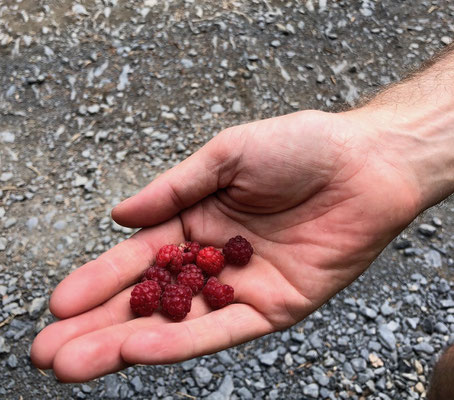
40,355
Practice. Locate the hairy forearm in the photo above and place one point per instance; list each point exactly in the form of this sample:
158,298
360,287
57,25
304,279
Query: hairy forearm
413,122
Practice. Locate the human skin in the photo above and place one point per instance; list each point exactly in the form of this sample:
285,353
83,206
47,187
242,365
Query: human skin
318,195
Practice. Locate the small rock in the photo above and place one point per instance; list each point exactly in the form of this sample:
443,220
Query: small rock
427,229
217,108
7,137
3,244
244,394
10,222
419,368
80,180
449,303
186,63
369,312
93,109
311,390
4,348
359,364
321,78
236,106
202,376
268,358
386,337
6,176
440,327
12,361
419,387
424,347
79,9
446,40
137,384
59,225
36,306
375,361
32,223
386,309
401,244
433,258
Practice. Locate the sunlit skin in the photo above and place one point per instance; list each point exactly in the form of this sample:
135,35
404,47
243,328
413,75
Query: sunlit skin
315,193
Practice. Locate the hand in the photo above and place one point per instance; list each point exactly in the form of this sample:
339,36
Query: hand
316,194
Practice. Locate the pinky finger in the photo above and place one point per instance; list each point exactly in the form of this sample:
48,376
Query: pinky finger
212,332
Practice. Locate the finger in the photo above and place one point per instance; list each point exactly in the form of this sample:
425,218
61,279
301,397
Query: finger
201,174
98,280
212,332
98,353
54,336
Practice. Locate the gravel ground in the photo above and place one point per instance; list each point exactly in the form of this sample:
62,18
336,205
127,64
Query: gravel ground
98,97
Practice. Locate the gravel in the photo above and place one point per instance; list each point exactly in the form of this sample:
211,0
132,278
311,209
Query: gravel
99,97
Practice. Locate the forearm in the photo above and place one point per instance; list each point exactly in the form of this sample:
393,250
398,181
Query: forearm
413,123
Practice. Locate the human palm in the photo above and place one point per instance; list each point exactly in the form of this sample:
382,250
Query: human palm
311,191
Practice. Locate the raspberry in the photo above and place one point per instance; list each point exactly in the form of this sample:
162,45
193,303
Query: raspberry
145,298
176,301
216,294
238,251
210,260
190,251
191,276
170,256
160,275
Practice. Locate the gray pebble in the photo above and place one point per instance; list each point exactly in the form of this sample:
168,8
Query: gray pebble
427,229
311,390
244,394
3,243
36,306
6,176
202,376
12,361
433,258
359,364
268,358
32,223
7,137
59,225
386,337
137,384
4,347
424,347
217,108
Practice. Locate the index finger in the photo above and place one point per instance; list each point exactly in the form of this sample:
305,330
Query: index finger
100,279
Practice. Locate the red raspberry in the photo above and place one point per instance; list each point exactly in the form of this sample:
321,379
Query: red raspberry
216,294
210,260
191,276
238,251
145,298
170,256
160,275
176,301
190,251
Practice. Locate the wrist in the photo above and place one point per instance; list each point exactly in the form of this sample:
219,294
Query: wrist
418,139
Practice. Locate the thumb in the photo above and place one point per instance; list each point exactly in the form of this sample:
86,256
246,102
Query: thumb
203,173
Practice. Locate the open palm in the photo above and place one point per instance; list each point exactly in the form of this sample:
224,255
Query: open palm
311,191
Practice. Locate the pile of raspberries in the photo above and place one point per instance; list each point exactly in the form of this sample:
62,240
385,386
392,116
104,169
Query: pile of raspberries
192,270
